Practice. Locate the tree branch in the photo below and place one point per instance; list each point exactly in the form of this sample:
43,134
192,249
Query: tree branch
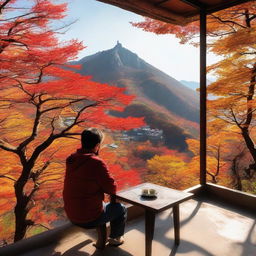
36,174
247,53
23,89
58,179
7,177
234,118
34,130
78,115
228,21
35,188
39,224
19,16
40,148
7,147
16,42
17,23
252,17
3,5
40,76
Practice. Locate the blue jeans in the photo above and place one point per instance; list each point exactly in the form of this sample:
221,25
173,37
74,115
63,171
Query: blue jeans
115,213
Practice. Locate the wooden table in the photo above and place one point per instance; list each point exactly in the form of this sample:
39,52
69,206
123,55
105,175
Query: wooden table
166,198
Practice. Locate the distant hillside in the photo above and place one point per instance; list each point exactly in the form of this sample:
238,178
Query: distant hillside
194,85
157,94
174,135
190,84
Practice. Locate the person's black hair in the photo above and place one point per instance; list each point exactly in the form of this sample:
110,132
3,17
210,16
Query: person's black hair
90,138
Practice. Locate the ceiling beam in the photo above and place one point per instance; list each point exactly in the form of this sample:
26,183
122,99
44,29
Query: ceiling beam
227,5
156,11
143,8
195,3
161,2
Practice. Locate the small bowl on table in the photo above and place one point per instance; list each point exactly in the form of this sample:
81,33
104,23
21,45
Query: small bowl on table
149,192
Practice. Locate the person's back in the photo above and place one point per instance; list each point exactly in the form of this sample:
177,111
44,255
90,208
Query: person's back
87,179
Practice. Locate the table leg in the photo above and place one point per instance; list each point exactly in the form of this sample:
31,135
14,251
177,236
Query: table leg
149,230
176,222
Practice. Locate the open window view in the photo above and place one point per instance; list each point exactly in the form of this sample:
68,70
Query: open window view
68,66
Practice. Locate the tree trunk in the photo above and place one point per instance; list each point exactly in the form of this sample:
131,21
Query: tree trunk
21,208
237,179
249,143
213,177
20,221
249,117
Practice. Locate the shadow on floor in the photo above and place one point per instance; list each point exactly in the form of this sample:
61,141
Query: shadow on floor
74,251
164,225
163,236
109,250
249,242
189,247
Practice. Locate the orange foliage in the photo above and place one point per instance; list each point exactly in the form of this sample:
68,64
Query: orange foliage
219,24
44,106
171,171
160,165
231,112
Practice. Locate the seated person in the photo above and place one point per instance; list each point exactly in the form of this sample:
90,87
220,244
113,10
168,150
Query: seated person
87,179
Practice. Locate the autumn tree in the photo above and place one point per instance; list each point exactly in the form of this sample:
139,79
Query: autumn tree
231,35
219,156
161,165
44,105
170,171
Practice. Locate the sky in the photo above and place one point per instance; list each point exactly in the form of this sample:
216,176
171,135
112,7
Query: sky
100,26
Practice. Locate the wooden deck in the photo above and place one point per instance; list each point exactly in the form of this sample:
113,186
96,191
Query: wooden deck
207,228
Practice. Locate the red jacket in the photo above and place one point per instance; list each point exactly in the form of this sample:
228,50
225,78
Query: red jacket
87,179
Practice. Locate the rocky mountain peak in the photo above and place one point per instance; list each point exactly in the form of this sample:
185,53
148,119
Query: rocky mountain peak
163,101
118,45
122,57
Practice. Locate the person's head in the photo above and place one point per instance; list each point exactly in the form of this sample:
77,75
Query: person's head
91,139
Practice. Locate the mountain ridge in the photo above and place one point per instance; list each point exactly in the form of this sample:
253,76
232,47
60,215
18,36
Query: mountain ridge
159,92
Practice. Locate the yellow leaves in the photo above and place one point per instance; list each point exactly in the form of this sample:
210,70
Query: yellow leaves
15,126
232,103
232,80
54,174
212,164
9,165
215,126
234,72
63,147
239,41
170,170
166,163
224,106
194,165
193,145
14,120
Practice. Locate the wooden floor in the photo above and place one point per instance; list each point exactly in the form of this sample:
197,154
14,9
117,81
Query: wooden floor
206,229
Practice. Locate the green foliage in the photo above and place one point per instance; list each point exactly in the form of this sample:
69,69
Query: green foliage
249,186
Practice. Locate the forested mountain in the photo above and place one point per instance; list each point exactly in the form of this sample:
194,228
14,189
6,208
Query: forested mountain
165,102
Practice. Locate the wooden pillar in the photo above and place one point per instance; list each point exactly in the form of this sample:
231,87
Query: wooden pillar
203,97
